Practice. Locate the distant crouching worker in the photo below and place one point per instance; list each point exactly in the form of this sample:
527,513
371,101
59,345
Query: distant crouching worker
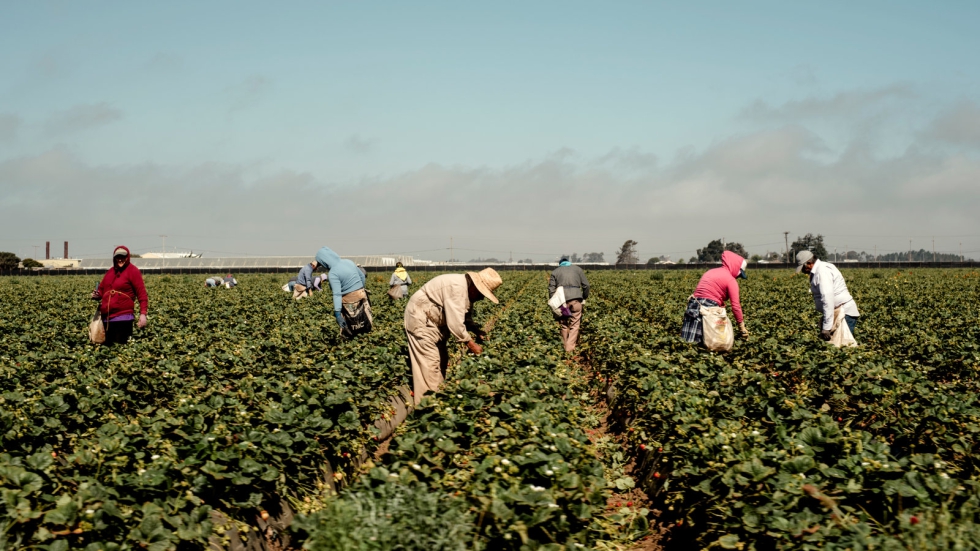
304,281
351,307
399,282
575,285
716,286
118,292
829,292
439,309
228,281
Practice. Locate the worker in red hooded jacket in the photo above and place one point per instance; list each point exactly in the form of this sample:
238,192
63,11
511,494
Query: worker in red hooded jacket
716,286
118,292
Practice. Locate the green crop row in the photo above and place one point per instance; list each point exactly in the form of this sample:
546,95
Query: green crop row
228,399
503,445
786,442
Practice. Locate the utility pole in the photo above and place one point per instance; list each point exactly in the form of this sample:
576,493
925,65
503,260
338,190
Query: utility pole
36,246
961,252
786,239
934,249
910,250
164,245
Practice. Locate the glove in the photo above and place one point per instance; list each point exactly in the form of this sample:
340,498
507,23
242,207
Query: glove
340,320
825,335
745,332
474,348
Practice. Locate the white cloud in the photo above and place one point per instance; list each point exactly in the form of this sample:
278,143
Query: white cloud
355,144
9,126
958,125
843,104
756,184
81,117
248,92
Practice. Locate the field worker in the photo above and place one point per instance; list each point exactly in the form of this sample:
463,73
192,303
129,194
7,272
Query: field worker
829,292
318,282
118,292
304,281
229,281
400,279
212,282
440,308
716,286
575,285
347,285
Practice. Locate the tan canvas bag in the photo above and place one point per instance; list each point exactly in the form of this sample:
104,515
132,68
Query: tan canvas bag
96,331
840,333
719,335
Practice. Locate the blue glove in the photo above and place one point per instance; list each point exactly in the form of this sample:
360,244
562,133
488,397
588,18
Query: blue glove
340,320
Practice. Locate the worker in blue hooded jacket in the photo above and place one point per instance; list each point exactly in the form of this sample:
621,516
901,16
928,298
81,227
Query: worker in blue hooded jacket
350,302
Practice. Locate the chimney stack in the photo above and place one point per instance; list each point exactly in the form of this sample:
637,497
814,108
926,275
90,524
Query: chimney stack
66,250
47,250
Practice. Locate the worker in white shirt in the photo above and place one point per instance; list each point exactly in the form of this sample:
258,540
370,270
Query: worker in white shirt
829,292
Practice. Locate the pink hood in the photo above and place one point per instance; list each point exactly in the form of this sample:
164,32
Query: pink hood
732,262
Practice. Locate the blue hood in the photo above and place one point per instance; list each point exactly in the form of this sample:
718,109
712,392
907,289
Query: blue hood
344,275
326,257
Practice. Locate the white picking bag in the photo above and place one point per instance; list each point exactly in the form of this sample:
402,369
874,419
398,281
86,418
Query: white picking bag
719,335
557,301
840,332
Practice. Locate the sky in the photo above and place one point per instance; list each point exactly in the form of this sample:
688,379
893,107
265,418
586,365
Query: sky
509,129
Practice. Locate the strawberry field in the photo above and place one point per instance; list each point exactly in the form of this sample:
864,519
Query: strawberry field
234,404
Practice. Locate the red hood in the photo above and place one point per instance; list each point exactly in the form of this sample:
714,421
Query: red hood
125,248
732,262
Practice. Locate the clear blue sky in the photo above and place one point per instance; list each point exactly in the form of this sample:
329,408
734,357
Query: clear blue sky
366,95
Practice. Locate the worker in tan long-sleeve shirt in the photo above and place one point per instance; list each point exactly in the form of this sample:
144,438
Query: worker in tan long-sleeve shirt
439,309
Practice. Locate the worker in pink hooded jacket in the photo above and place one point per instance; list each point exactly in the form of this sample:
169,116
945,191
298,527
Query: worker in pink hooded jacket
717,285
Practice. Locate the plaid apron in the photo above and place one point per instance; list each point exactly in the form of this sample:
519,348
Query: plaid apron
691,329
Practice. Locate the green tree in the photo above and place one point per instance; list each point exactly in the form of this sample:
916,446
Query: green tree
809,242
627,253
8,261
31,263
593,257
711,252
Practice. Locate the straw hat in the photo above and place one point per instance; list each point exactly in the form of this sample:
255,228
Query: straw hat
486,280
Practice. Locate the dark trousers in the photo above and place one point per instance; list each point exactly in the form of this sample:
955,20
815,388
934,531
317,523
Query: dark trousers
851,322
118,332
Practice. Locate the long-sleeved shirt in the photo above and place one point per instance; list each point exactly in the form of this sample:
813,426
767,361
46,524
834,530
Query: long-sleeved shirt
830,292
403,283
573,281
719,284
305,276
119,291
345,277
445,301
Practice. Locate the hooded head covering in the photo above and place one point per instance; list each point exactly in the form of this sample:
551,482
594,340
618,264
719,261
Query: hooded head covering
734,263
564,261
327,258
121,250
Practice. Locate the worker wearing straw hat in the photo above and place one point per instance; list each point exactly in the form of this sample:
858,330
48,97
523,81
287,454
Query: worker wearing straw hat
439,309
